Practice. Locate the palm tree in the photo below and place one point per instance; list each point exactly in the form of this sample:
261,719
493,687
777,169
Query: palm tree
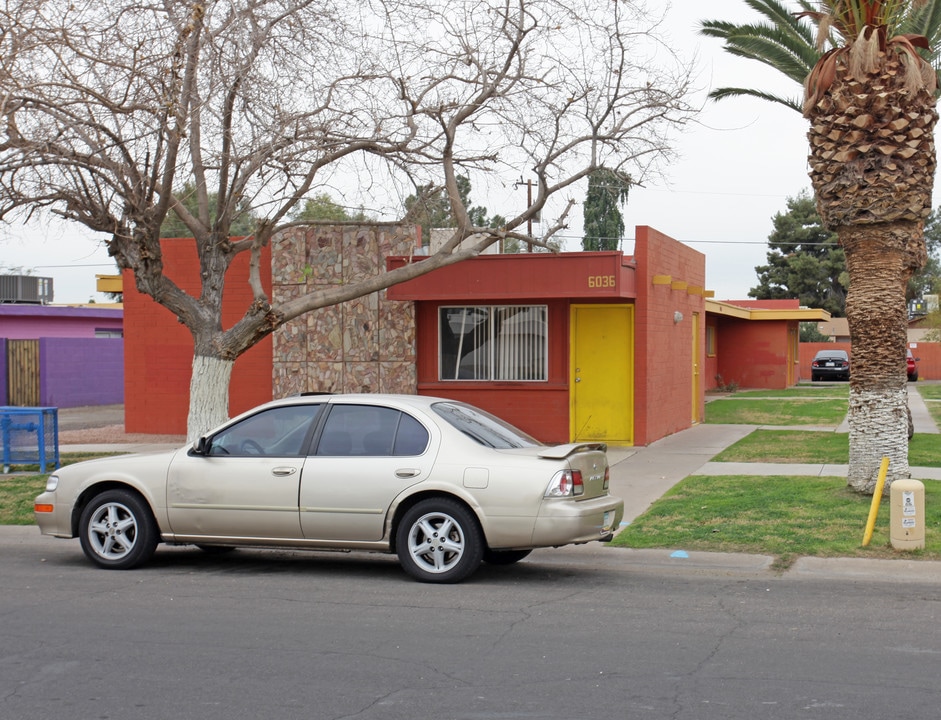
870,98
788,44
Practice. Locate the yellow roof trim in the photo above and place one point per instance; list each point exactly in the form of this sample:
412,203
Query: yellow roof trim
717,307
109,283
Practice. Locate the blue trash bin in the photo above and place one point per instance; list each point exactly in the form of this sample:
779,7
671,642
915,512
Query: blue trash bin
30,436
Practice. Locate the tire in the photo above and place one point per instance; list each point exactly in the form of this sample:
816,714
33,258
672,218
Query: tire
117,530
504,557
913,377
813,378
419,535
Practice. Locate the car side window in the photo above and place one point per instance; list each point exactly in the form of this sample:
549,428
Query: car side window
370,431
276,432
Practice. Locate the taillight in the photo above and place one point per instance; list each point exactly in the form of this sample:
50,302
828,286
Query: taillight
566,483
607,477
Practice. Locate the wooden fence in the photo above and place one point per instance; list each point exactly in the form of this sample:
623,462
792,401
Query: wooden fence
23,373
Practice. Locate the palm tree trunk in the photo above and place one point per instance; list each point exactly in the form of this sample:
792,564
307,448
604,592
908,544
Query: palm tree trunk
879,258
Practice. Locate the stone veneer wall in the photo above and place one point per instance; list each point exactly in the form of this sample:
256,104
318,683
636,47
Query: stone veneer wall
364,345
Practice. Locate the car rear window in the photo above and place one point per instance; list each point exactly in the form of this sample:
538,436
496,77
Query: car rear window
486,429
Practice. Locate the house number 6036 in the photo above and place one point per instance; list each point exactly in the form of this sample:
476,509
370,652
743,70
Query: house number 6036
601,281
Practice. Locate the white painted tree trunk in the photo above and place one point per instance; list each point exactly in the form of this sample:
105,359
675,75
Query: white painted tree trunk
209,395
878,427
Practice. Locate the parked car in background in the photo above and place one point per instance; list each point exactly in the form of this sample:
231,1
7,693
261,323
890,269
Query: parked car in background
911,368
830,365
440,483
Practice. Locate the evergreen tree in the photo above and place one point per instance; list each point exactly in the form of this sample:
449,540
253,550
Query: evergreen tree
430,208
242,221
603,223
321,207
804,260
928,280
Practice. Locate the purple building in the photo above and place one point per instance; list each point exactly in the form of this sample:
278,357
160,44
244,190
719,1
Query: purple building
61,356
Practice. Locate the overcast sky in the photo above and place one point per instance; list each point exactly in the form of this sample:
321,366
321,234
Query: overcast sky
737,166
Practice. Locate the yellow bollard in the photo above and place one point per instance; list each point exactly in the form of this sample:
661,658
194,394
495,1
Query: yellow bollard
876,499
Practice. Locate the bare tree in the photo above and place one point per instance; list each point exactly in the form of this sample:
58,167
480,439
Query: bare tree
111,110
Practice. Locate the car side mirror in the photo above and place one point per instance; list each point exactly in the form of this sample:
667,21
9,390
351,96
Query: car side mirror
202,446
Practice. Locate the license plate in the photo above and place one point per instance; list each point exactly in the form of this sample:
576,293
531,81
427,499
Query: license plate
830,364
608,520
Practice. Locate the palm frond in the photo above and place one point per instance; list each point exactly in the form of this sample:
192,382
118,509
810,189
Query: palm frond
787,42
722,93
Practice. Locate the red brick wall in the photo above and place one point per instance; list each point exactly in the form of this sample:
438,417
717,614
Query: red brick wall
663,402
158,350
752,354
541,409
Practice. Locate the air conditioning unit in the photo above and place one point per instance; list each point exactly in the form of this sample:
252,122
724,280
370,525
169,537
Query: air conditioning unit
25,289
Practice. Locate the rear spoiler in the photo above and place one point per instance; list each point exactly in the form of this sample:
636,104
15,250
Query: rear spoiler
560,452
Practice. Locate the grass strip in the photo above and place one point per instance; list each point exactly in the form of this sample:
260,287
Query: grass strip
783,516
810,411
803,446
17,491
798,392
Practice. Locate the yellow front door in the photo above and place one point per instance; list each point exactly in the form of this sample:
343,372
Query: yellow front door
602,379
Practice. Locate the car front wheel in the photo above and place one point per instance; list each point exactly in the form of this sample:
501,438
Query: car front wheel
117,531
439,541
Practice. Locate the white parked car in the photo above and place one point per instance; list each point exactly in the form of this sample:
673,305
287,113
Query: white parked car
440,483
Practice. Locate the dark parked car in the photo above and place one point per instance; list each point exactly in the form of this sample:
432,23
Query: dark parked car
910,367
830,365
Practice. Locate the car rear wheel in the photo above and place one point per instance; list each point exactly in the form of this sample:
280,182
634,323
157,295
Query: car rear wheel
439,541
117,531
504,557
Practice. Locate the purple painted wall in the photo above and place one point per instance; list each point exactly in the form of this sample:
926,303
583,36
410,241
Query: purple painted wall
81,371
3,372
30,322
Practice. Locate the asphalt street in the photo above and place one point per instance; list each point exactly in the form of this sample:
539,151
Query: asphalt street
589,633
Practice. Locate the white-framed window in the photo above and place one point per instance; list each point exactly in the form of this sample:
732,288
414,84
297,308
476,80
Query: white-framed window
493,342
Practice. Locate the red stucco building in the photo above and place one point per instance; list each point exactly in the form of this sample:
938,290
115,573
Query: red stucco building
570,346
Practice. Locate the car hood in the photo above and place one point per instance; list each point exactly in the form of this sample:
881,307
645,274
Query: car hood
116,466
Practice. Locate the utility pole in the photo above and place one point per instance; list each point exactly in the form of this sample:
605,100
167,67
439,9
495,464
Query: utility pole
529,204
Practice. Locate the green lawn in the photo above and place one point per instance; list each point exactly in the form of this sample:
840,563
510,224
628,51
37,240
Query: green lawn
18,491
740,409
929,392
840,390
785,516
800,446
782,516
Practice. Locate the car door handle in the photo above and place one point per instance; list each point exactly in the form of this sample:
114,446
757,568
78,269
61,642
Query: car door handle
283,471
407,472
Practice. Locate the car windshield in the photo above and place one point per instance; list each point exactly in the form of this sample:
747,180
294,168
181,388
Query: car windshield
483,427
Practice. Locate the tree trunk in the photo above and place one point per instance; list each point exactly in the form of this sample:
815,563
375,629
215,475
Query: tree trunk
209,395
879,259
